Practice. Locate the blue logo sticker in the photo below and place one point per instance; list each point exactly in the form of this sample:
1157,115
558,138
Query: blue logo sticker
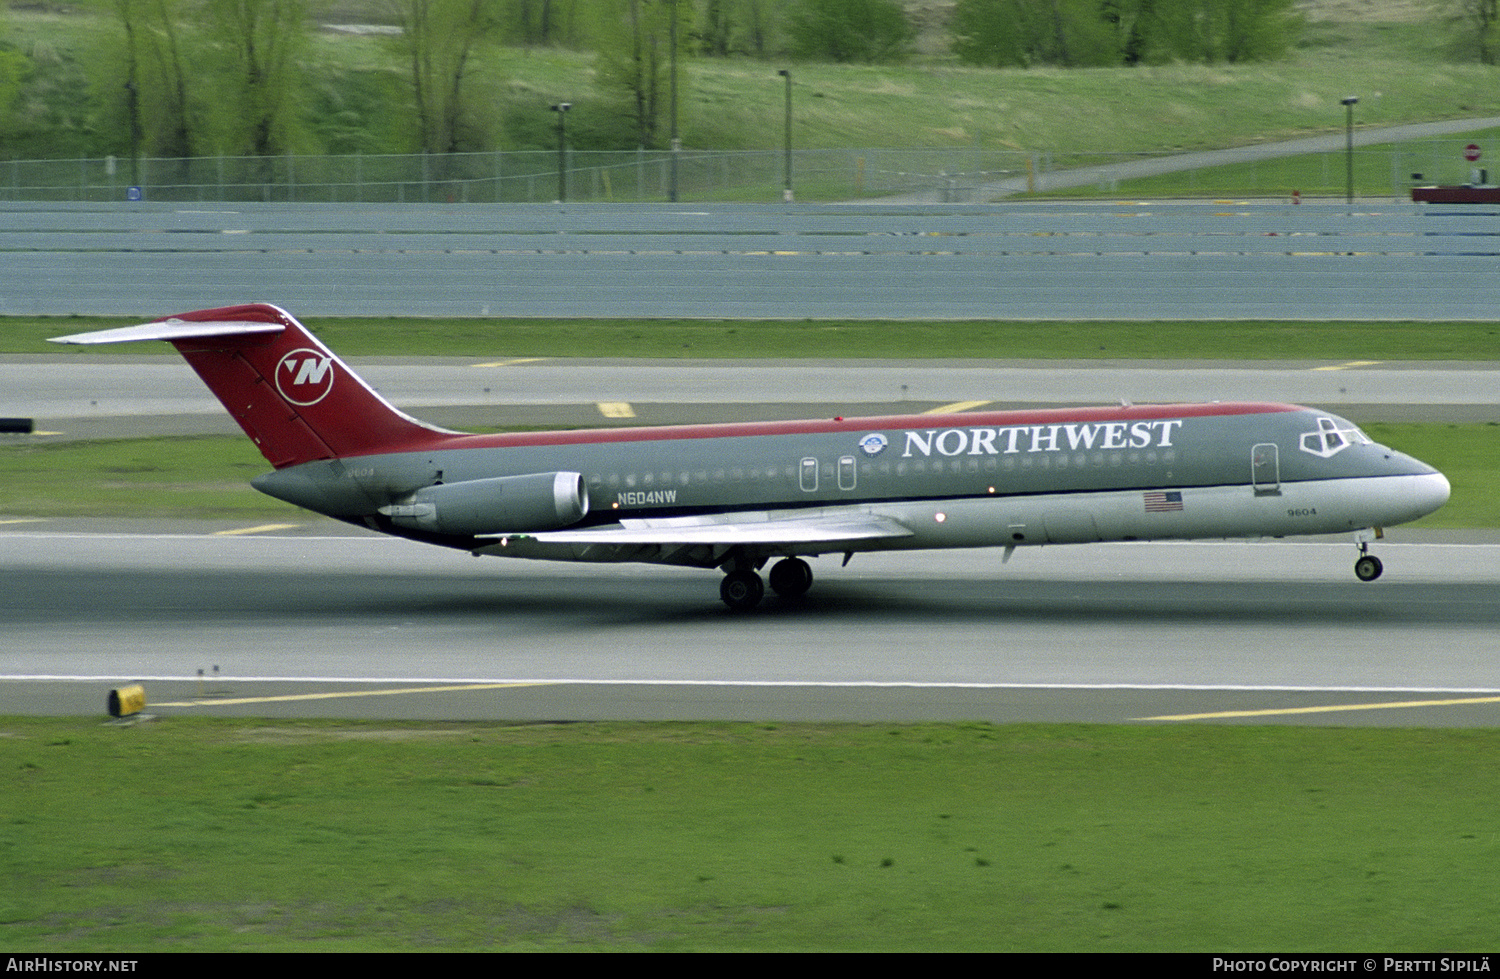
873,444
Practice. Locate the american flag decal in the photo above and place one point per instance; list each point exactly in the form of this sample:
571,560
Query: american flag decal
1158,501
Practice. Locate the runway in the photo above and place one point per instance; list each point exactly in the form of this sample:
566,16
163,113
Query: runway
115,396
1036,260
306,618
310,623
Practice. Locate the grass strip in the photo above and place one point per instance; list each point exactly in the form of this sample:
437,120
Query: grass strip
1337,341
208,476
215,835
189,476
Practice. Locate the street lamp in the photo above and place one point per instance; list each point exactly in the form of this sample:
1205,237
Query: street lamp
1349,103
561,108
786,193
676,139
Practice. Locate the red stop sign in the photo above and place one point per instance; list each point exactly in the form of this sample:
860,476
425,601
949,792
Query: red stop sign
1472,152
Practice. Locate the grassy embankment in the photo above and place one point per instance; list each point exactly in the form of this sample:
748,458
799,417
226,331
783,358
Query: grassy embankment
1401,68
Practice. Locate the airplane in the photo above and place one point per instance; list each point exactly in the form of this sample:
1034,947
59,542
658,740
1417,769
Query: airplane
737,496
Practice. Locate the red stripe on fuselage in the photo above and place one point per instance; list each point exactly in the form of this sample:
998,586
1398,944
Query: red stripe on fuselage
819,426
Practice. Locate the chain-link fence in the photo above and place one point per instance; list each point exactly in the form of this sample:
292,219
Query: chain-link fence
942,175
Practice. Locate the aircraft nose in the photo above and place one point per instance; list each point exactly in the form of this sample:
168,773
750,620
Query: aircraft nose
1430,491
1416,495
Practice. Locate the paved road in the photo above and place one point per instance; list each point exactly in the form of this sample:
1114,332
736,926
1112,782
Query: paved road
1043,261
1182,162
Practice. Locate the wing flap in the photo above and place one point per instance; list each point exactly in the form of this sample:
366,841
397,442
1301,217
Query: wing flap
731,529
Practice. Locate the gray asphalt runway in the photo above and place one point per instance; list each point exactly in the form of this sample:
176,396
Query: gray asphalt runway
1246,632
79,395
1032,260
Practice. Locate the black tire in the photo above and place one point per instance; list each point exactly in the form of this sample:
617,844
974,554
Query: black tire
1368,568
791,578
741,590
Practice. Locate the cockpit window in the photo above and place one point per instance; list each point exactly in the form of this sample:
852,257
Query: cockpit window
1333,436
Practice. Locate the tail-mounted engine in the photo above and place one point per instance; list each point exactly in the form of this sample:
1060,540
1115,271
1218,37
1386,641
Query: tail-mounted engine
503,505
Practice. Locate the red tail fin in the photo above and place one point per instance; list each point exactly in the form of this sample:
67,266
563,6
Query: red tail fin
290,394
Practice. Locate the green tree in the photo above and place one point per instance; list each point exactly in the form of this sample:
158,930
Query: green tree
264,39
748,27
162,114
850,30
1479,27
1023,33
1212,31
440,39
543,23
634,60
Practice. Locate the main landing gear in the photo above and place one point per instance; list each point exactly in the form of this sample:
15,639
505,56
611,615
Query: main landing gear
742,588
1368,566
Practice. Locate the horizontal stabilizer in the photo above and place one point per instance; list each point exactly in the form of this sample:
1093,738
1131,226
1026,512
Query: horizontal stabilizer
173,329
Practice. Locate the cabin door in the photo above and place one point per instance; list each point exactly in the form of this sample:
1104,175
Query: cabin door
1265,470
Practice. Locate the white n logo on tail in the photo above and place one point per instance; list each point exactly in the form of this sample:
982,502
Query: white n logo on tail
304,376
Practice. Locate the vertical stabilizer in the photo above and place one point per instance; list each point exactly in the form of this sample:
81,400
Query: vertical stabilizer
293,396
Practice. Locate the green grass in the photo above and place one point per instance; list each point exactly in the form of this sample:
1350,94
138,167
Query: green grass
178,477
209,476
1468,454
1169,340
215,835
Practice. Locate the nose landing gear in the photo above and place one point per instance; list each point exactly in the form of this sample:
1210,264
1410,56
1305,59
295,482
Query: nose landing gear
1368,567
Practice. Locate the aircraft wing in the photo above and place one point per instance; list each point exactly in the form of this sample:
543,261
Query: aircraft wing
735,528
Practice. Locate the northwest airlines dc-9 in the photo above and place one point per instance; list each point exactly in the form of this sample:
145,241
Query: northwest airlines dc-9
739,496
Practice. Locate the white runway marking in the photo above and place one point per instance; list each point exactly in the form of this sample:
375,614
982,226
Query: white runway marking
429,684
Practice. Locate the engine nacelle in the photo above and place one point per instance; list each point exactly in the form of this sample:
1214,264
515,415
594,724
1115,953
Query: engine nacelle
502,505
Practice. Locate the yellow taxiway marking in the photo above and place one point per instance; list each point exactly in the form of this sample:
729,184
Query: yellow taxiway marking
1352,363
955,407
218,702
24,520
616,409
264,528
509,363
1327,709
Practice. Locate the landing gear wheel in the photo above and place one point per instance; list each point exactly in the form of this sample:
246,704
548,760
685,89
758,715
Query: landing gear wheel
1368,568
791,578
741,590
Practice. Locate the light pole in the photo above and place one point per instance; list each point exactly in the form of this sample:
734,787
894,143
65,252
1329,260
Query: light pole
561,108
676,139
786,193
1349,103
